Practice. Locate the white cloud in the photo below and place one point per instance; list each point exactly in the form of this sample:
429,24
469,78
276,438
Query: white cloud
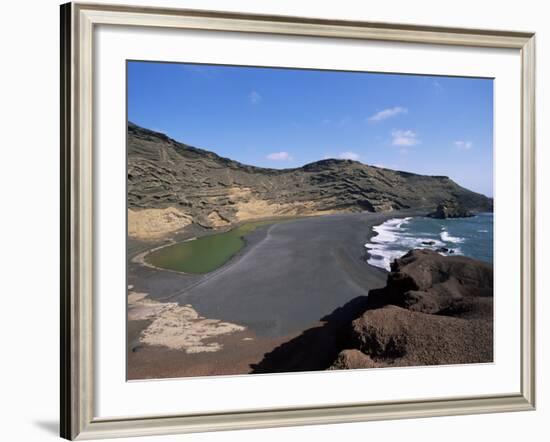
254,97
404,138
464,145
279,156
388,113
348,155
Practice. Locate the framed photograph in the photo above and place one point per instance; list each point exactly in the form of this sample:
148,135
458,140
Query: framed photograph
276,220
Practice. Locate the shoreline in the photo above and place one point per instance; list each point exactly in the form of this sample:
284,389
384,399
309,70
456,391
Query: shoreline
449,237
139,257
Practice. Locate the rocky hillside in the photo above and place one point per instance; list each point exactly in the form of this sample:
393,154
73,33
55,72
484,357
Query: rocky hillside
171,185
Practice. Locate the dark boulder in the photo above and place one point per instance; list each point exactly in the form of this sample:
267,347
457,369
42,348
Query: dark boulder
427,282
450,209
396,336
349,359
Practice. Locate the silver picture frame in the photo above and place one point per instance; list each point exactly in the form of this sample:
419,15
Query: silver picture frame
78,21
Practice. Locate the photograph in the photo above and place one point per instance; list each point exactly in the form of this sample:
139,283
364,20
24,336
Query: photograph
294,220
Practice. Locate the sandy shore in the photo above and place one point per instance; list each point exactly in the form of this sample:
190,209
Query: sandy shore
289,278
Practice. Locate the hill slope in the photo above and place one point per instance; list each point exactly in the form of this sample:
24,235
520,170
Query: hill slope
171,185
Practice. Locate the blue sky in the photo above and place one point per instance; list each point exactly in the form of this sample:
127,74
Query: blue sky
283,118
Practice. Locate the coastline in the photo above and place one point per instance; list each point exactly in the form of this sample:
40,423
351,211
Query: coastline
149,246
470,236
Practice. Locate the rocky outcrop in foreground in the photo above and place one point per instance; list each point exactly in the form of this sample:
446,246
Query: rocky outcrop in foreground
434,310
171,184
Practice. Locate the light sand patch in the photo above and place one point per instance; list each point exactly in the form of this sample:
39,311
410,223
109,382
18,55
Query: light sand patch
177,327
250,207
384,206
155,223
255,208
216,220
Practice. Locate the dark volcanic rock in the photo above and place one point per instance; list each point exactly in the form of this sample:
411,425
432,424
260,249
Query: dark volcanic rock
434,310
397,336
427,282
450,209
213,191
349,359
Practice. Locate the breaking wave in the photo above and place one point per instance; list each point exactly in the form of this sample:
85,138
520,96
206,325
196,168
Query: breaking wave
396,236
448,238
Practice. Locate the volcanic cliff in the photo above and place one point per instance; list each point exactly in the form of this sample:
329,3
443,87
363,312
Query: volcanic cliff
172,185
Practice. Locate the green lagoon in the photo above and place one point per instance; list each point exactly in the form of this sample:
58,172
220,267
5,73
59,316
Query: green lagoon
205,254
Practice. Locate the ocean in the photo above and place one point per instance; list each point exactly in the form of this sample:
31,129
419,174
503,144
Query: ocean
471,237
